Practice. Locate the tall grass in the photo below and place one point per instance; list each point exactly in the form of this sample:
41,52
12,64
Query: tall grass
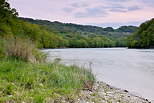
1,48
22,49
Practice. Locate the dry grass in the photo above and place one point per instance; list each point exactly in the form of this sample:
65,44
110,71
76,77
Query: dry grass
22,49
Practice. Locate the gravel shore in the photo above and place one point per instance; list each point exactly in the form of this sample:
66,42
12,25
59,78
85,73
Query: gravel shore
104,93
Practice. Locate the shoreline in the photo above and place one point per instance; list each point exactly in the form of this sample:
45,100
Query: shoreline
104,93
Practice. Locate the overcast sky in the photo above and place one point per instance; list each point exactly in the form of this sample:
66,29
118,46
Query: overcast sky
102,13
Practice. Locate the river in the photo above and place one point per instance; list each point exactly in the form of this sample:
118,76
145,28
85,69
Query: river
130,69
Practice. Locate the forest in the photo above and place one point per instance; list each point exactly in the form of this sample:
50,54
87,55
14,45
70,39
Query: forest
47,34
143,37
86,35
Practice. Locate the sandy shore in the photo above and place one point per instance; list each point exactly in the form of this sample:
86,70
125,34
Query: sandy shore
104,93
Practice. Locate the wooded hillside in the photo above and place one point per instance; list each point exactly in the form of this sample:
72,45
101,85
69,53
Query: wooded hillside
143,37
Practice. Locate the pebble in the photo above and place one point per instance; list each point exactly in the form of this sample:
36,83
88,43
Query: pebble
104,93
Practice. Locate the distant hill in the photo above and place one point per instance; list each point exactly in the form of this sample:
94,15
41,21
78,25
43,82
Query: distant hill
11,26
143,37
69,27
66,30
127,29
46,34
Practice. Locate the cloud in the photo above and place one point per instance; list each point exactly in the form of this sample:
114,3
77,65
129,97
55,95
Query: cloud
117,6
80,4
118,10
80,11
118,0
91,12
68,9
147,2
86,11
121,8
134,8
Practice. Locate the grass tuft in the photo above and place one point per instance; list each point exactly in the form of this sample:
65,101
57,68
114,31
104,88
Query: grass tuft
24,49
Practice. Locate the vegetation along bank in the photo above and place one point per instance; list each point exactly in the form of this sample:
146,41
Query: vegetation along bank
26,77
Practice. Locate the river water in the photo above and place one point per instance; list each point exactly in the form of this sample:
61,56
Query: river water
130,69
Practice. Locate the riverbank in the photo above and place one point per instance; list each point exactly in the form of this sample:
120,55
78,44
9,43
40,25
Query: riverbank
130,69
104,93
56,83
26,77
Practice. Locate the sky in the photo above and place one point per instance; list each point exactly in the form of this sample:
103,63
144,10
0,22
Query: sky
103,13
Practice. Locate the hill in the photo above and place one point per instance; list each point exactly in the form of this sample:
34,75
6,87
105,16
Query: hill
143,37
69,31
70,27
11,26
46,34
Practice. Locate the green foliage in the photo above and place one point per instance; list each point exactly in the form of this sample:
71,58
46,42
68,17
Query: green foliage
127,29
28,82
48,34
11,26
78,36
73,28
143,37
43,38
6,12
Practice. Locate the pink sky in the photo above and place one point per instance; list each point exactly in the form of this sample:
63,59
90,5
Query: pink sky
103,13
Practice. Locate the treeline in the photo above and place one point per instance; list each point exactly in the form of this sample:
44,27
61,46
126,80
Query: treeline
93,41
82,34
143,37
11,27
41,37
69,27
46,34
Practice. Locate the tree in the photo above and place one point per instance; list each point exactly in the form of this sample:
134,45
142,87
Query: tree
143,37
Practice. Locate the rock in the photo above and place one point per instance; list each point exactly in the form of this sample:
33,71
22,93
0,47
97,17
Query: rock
125,91
104,93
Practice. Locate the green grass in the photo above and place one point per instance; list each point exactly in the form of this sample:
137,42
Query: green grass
25,77
35,82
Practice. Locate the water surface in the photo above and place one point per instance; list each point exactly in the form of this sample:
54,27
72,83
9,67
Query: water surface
130,69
